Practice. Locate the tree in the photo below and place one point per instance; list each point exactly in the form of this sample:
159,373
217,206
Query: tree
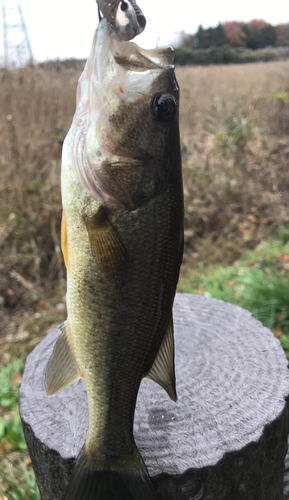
259,34
235,34
268,35
218,36
282,35
200,38
189,41
210,37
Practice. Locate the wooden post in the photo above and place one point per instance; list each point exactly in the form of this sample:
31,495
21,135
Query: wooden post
225,438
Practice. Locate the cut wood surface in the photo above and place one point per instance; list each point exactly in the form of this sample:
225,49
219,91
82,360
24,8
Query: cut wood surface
225,438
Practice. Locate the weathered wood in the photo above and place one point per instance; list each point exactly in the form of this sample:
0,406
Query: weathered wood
225,438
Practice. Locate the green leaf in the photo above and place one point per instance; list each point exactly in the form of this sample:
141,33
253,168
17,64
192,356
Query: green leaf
7,401
2,428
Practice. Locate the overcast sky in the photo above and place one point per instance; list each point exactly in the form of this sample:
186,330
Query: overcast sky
64,28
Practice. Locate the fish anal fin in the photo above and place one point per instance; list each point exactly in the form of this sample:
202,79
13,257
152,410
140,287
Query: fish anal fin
62,369
64,241
163,368
106,244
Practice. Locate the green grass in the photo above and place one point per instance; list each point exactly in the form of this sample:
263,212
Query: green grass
10,423
258,282
18,479
27,490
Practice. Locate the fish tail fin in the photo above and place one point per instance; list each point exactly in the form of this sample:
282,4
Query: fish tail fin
89,483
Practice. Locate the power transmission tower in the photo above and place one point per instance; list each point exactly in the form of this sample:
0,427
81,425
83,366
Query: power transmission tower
17,47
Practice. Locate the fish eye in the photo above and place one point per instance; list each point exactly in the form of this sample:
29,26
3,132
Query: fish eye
164,107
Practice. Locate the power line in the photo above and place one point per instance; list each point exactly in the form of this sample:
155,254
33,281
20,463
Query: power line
17,47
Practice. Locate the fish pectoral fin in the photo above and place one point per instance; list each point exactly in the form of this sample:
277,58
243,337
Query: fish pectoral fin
163,368
106,244
62,369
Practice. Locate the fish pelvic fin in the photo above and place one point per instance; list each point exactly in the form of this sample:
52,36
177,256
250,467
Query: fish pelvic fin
89,483
62,369
163,368
106,244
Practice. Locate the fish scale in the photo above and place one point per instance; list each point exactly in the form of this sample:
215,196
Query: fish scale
146,323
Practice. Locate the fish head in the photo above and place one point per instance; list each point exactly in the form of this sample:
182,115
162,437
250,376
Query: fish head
125,131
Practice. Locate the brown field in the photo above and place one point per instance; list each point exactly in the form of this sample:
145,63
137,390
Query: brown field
235,146
234,132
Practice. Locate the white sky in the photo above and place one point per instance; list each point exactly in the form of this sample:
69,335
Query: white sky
64,28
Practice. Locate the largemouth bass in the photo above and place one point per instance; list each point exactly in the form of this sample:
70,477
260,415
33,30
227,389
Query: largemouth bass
122,241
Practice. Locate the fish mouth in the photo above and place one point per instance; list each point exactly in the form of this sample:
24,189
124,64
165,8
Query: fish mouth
131,57
138,68
116,64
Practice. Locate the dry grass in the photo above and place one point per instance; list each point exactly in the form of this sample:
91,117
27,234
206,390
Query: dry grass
236,188
234,126
36,110
252,84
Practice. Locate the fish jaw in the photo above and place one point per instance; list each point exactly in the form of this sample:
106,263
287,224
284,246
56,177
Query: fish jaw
114,135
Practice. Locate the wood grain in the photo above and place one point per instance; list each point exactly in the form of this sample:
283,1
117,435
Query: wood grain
224,439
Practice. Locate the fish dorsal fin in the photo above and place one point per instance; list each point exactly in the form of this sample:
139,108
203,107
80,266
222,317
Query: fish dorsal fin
62,369
163,369
64,241
106,244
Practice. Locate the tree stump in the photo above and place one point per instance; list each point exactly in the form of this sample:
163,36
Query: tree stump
224,439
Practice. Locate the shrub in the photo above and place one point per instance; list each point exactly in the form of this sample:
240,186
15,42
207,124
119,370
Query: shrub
226,55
